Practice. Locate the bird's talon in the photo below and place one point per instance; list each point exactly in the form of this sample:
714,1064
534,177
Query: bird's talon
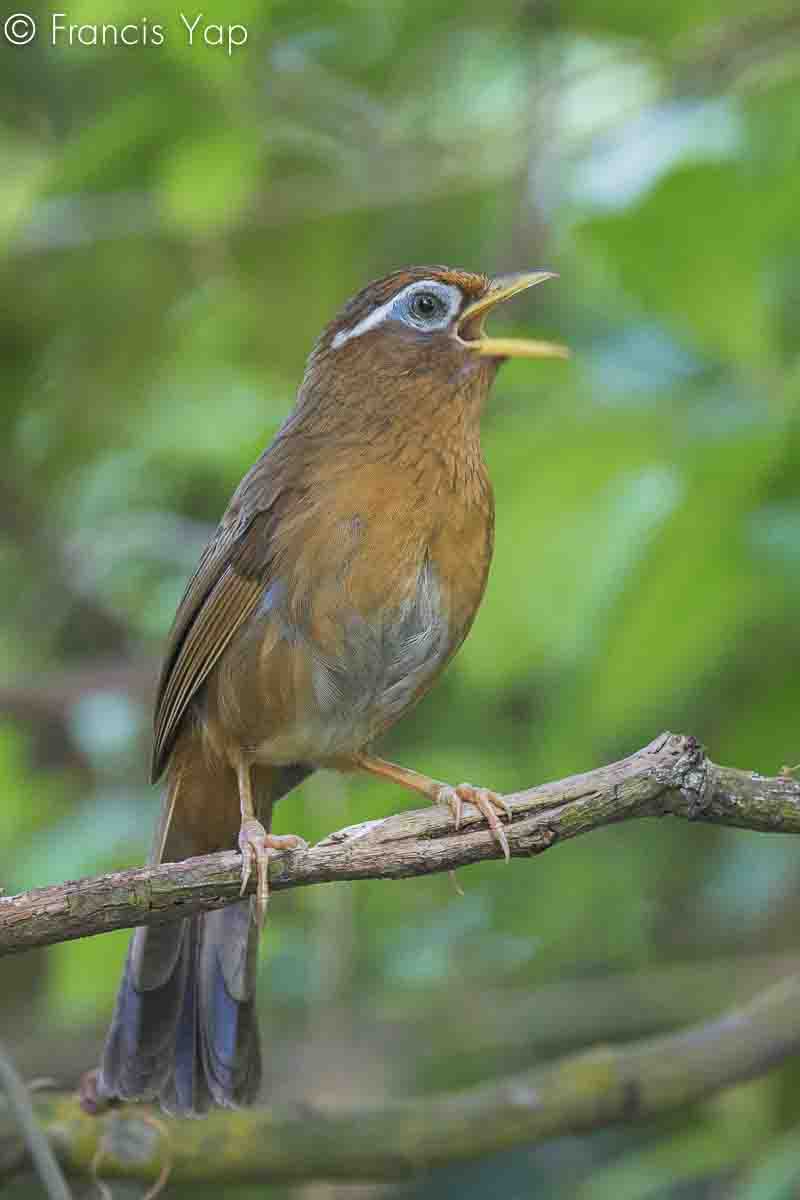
449,796
257,847
489,804
501,802
245,873
500,837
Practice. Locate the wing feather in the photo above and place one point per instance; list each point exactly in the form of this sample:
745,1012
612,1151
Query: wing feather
223,592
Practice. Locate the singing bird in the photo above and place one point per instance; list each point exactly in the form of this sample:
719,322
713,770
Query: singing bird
343,577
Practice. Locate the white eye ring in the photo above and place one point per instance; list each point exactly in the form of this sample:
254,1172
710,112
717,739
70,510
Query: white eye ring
399,308
447,299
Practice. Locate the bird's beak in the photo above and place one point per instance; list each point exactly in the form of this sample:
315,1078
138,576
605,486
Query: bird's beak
503,287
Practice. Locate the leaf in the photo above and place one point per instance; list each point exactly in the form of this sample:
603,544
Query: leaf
672,250
207,181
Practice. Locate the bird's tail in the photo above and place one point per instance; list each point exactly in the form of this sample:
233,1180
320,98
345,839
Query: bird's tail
185,1027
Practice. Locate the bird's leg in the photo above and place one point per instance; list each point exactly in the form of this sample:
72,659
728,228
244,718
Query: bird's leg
256,843
488,803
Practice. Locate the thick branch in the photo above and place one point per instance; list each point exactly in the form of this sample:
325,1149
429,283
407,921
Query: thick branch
671,775
400,1137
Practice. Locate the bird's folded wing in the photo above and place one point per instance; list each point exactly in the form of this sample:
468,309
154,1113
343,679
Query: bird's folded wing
223,592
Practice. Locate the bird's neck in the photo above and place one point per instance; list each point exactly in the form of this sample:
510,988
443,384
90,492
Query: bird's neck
440,450
388,412
418,453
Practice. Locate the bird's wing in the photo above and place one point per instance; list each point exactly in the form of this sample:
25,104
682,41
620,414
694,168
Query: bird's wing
223,592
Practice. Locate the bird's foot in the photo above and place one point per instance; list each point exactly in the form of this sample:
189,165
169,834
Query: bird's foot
489,804
257,848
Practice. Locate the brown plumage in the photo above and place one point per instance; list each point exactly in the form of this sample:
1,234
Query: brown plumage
344,575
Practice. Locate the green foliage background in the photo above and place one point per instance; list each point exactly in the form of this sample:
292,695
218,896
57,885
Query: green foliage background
176,225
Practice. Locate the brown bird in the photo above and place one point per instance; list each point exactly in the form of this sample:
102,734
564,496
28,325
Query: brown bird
343,577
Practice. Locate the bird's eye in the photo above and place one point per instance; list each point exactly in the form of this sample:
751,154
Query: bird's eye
427,306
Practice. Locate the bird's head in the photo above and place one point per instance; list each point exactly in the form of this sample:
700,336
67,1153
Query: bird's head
418,335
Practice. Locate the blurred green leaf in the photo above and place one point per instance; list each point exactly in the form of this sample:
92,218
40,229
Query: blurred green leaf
672,251
776,1176
207,181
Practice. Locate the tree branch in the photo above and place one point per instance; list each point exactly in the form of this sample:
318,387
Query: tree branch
396,1138
670,776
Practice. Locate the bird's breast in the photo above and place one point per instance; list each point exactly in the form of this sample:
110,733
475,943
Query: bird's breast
371,597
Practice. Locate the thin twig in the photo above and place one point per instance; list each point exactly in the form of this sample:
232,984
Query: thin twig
35,1137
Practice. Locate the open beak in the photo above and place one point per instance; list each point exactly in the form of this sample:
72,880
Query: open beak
470,323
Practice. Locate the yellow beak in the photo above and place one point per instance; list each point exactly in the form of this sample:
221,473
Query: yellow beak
470,323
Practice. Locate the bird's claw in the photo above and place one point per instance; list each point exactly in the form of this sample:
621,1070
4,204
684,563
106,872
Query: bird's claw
257,847
488,804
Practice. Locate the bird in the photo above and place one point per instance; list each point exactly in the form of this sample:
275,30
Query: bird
343,577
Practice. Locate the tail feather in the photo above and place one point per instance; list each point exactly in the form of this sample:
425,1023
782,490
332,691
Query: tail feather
184,1090
137,1059
229,1042
185,1027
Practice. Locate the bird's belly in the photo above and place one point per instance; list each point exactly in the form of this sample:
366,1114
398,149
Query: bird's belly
295,693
